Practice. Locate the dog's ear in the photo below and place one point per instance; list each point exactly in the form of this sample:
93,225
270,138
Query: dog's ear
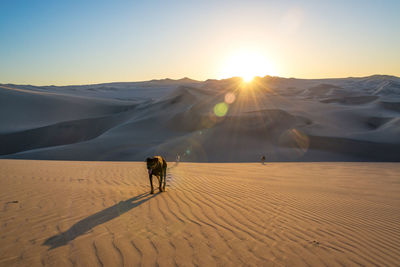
147,160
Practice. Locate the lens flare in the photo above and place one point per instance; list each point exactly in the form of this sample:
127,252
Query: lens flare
221,109
230,98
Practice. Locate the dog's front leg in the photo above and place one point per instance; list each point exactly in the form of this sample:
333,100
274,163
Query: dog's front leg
165,178
151,183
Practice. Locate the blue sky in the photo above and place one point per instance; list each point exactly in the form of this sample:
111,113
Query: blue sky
79,42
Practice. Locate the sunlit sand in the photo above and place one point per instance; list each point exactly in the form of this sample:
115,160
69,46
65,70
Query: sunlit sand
58,213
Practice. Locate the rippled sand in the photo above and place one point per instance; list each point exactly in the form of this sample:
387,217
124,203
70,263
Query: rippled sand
58,213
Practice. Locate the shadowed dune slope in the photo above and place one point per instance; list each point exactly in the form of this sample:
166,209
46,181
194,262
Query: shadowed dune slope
62,133
24,109
346,119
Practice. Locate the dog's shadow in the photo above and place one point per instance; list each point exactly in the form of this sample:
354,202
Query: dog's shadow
85,225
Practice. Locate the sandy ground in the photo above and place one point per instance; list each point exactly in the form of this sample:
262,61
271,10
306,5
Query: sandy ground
56,213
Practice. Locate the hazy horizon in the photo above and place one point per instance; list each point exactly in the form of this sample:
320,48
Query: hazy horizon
196,80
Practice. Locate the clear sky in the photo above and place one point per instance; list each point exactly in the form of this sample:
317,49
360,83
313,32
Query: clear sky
47,42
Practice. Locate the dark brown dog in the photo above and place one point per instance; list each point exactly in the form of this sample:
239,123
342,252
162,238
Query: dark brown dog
157,166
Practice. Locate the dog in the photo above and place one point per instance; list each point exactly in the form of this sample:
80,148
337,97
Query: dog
157,166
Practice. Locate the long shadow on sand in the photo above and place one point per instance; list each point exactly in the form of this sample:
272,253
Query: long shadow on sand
83,226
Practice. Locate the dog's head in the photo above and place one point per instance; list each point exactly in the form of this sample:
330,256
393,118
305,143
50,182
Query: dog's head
151,164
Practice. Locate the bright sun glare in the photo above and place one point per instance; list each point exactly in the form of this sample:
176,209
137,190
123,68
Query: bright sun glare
247,64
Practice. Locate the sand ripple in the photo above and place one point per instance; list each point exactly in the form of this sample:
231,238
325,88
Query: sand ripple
57,213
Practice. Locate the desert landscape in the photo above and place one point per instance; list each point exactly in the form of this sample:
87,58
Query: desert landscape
199,133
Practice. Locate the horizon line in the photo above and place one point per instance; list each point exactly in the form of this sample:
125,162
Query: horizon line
194,80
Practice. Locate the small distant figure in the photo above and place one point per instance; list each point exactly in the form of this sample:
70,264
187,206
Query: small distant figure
263,159
178,158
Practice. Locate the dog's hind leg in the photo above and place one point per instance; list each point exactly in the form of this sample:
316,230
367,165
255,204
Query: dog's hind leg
151,183
160,182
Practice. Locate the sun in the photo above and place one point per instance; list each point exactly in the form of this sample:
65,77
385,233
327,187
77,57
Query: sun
247,64
248,77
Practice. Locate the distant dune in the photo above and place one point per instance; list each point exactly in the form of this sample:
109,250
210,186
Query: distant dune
348,119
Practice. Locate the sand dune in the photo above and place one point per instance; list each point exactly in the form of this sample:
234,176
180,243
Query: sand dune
350,119
27,109
62,133
279,214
